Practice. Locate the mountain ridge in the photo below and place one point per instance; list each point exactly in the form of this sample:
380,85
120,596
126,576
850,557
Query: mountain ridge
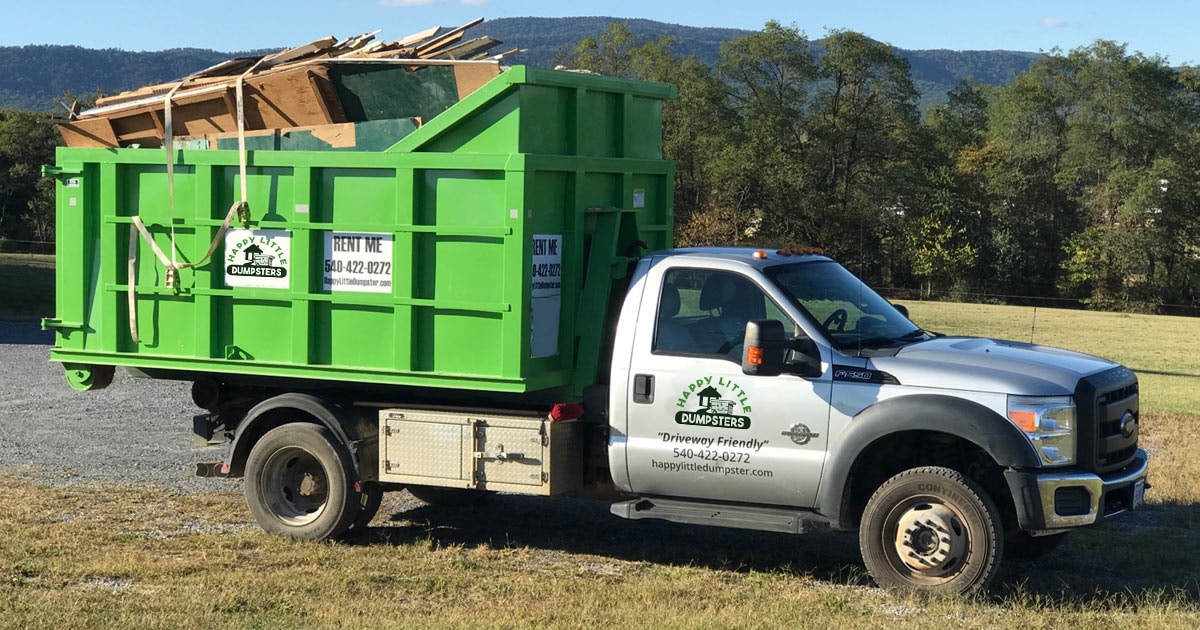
38,76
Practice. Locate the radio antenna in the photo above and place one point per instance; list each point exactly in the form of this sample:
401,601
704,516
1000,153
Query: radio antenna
1033,325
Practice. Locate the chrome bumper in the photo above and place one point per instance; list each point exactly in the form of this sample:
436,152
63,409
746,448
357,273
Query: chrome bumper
1107,495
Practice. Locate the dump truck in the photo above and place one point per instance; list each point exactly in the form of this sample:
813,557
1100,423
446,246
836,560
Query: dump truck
492,304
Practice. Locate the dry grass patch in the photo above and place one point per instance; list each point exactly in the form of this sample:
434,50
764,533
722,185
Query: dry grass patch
108,556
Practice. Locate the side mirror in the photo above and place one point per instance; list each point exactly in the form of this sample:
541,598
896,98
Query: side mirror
762,348
902,309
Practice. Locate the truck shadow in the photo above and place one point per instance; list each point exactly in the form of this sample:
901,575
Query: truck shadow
586,527
1150,556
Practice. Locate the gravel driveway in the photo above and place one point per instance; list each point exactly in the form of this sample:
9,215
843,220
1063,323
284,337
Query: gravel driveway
137,431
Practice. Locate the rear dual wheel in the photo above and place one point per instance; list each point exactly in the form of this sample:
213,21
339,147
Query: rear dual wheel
300,484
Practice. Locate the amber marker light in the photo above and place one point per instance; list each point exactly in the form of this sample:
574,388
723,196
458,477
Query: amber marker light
1026,420
754,355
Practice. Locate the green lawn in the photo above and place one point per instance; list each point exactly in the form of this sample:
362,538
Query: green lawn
26,286
1164,351
117,557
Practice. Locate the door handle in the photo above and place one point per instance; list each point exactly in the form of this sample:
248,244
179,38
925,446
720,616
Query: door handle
643,388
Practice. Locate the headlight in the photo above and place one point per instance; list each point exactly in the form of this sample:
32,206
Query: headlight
1049,423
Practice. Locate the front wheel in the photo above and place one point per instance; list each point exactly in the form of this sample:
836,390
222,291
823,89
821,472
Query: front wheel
931,529
300,483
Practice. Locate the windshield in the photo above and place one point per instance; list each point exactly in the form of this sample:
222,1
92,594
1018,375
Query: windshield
851,314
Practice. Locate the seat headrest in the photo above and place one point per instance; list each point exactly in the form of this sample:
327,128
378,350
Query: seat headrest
719,291
669,307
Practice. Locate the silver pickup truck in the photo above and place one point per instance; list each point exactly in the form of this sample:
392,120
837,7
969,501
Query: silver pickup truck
776,391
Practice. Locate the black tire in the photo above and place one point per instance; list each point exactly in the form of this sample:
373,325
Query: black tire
371,499
300,483
933,530
1022,546
446,497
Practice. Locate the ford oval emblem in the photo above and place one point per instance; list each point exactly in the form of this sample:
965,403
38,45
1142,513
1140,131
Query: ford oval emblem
1128,424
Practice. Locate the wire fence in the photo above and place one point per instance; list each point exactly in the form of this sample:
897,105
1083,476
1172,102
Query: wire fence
10,246
906,293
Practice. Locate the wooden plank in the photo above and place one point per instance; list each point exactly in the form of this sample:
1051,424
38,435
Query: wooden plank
322,101
472,76
299,52
416,38
213,74
352,44
89,132
230,98
398,53
468,49
157,117
449,37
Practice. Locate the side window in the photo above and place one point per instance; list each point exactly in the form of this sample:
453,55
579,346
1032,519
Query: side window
702,311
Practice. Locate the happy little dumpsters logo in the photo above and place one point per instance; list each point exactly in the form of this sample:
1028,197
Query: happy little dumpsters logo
257,258
716,404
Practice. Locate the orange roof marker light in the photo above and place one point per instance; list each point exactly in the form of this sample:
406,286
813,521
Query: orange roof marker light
759,254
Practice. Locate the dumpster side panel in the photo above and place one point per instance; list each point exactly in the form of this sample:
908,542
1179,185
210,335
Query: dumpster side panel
413,266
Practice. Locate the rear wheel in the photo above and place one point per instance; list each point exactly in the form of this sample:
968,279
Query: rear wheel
931,529
299,483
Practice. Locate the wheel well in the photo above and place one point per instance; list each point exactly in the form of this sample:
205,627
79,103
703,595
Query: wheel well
897,452
351,429
259,427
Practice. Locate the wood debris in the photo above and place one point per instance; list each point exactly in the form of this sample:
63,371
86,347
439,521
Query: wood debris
324,82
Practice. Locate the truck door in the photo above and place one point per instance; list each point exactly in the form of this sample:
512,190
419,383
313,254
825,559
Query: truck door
697,427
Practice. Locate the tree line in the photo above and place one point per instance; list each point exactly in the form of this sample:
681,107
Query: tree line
27,142
1078,179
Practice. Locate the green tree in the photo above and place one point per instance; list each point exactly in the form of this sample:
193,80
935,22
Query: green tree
27,141
696,133
1124,164
947,223
1029,215
764,177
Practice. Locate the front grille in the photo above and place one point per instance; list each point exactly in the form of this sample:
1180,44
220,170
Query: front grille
1116,460
1118,394
1108,420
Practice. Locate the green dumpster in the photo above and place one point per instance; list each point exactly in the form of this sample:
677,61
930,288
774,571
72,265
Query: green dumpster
456,258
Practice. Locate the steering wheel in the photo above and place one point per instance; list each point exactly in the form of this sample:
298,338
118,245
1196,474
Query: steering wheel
836,321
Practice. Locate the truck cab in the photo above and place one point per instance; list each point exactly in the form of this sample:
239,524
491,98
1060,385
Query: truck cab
938,449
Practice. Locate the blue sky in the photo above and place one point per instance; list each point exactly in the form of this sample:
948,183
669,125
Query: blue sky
1164,27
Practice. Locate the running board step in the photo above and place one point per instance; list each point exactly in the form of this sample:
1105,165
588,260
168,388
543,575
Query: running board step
790,521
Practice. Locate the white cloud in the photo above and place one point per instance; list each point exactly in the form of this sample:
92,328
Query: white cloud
475,3
1054,22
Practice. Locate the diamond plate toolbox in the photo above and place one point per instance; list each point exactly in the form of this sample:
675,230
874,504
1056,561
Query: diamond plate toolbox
520,454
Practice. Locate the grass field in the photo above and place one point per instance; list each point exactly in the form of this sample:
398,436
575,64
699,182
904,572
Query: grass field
26,285
118,557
